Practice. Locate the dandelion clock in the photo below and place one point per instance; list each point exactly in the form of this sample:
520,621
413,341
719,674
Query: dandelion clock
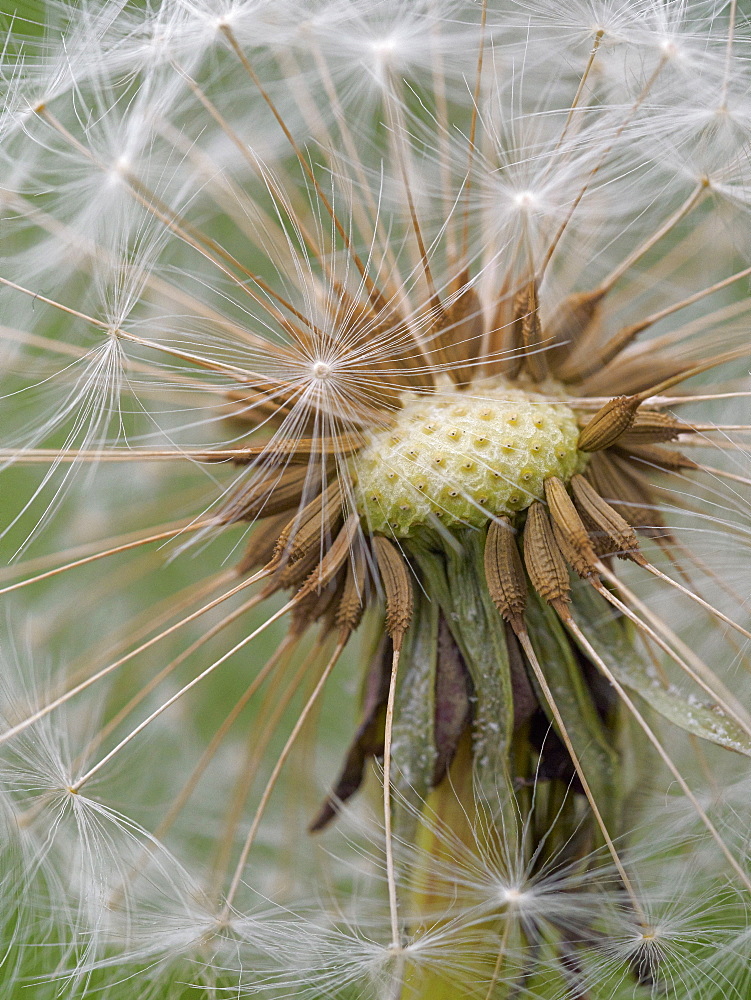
376,499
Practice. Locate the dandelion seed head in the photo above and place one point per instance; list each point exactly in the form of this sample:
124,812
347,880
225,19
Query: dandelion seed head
422,322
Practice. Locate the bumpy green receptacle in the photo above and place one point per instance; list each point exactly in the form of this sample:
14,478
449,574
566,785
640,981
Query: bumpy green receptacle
462,456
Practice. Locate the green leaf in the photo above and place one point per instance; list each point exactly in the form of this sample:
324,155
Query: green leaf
413,737
591,739
458,583
614,638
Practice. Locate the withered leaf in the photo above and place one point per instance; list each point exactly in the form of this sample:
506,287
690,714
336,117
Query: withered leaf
452,700
368,740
